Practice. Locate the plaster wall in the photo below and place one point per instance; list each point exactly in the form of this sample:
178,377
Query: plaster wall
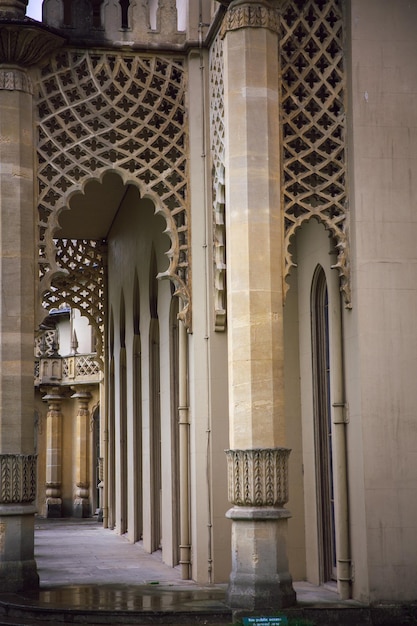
134,231
381,330
296,524
208,399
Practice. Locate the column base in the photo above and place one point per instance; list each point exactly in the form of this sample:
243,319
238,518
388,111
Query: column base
53,507
81,508
260,580
17,564
16,576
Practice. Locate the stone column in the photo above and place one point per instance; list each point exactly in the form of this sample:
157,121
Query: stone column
53,453
257,460
20,46
81,506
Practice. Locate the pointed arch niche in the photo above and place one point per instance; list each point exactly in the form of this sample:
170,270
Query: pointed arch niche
315,401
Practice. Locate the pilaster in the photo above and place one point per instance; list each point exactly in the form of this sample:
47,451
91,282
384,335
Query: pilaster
21,46
257,460
81,507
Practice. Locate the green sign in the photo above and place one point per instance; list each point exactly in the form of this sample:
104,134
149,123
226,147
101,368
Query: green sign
265,621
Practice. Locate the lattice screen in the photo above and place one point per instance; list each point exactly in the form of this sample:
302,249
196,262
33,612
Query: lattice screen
81,283
97,112
314,123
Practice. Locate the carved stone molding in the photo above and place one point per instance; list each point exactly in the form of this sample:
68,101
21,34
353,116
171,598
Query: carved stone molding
25,45
18,478
258,477
13,79
250,15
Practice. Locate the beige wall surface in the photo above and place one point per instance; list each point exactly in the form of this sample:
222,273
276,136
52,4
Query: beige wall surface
135,230
381,330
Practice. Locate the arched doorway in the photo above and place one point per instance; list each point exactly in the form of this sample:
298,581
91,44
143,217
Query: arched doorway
323,434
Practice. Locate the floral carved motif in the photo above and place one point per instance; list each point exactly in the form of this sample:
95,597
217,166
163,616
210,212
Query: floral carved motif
258,477
18,478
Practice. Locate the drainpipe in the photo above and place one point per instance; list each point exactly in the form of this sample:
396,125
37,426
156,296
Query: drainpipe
184,443
340,471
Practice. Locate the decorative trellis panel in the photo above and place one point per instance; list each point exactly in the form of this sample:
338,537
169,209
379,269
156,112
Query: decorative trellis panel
314,124
81,281
218,173
99,112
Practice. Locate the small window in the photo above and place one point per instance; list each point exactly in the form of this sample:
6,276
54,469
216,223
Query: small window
124,4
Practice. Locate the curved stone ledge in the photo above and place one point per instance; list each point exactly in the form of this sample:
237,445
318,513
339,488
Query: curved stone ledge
255,513
25,45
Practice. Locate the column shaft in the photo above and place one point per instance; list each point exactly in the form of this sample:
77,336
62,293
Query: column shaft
257,461
17,565
254,239
53,454
81,506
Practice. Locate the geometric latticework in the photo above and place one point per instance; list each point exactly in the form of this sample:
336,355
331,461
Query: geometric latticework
81,281
100,111
218,180
314,124
46,344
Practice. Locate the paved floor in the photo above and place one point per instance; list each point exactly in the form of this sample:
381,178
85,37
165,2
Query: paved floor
83,565
91,571
80,553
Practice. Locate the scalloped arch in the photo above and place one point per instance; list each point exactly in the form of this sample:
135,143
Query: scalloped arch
118,112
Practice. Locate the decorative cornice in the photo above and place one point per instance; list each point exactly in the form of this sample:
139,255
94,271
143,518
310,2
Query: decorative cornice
24,44
18,478
258,477
250,14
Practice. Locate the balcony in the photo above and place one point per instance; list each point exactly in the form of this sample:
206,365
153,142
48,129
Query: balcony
77,369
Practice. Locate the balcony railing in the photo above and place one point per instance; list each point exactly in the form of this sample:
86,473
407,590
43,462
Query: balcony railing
67,370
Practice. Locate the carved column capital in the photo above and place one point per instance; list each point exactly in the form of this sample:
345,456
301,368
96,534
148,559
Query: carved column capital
84,397
18,478
250,14
14,79
54,400
258,477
